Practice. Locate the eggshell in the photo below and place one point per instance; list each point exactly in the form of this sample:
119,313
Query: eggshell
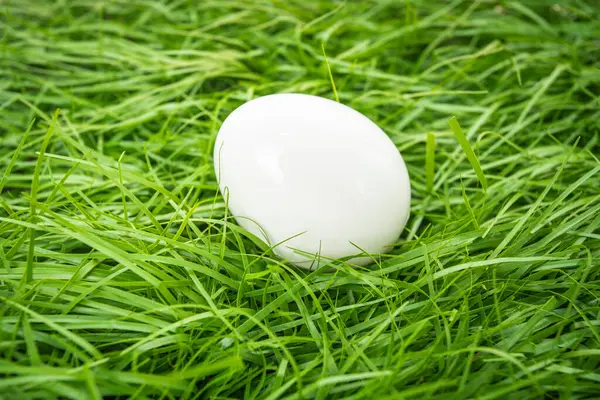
312,177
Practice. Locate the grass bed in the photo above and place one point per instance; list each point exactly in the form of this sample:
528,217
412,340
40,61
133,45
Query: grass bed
121,274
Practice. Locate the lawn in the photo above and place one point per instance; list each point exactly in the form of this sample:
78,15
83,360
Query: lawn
122,275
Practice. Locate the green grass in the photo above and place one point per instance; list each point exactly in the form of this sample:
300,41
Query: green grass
122,276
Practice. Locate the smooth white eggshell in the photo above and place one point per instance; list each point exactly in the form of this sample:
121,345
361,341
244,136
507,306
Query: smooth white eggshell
312,175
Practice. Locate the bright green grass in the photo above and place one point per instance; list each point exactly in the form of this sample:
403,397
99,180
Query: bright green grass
121,275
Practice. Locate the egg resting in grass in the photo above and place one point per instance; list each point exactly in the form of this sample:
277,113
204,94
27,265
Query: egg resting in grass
312,176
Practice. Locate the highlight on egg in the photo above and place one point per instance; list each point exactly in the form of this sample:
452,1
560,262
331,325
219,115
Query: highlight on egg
312,177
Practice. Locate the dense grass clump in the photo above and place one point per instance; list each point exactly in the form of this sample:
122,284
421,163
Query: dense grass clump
121,274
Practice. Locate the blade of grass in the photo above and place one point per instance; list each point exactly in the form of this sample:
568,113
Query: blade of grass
464,144
335,93
430,161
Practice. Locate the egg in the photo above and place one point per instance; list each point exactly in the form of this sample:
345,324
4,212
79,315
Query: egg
313,178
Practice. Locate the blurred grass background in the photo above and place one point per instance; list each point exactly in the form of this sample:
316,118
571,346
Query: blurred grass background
121,275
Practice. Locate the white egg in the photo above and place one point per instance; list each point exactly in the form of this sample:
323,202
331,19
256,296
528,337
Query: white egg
312,177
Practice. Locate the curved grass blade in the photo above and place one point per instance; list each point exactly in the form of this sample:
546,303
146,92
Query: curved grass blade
464,143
